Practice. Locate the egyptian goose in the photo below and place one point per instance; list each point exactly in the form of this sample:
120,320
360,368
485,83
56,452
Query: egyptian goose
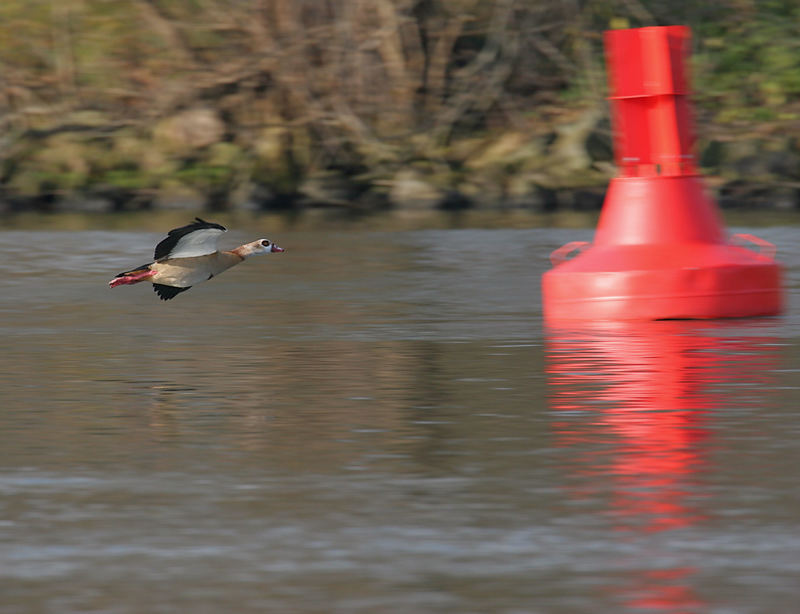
189,256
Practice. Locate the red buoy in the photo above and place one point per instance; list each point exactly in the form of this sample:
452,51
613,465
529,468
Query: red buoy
660,250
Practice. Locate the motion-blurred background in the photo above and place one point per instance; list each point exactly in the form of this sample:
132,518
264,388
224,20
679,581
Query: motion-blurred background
370,104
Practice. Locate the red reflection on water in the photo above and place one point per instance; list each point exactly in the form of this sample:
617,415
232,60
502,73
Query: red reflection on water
632,401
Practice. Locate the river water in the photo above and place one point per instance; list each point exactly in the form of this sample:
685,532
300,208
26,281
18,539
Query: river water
377,422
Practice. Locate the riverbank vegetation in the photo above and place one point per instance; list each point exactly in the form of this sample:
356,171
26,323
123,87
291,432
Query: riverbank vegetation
368,105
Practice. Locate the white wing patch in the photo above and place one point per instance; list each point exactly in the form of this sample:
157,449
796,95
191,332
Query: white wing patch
198,243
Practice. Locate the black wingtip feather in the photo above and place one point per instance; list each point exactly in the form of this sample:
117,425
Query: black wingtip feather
166,293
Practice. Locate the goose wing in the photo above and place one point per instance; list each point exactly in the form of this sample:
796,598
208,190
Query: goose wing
196,239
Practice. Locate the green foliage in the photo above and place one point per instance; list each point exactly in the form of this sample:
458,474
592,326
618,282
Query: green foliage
204,176
750,70
125,179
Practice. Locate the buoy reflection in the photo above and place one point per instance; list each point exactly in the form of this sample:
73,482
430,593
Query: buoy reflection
634,404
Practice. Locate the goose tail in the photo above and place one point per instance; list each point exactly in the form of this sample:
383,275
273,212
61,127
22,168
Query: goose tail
134,276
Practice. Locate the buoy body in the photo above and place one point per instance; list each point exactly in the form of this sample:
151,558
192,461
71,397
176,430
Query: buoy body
660,250
660,253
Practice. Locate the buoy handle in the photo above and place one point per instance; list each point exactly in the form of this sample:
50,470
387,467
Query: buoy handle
561,254
765,248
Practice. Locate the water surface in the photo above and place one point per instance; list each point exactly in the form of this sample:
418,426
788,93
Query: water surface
377,422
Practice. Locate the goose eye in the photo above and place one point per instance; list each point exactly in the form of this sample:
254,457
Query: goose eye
265,243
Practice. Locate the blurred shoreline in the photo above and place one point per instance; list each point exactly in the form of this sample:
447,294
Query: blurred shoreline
376,106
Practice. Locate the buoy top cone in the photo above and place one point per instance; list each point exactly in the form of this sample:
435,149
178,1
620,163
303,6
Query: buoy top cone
660,250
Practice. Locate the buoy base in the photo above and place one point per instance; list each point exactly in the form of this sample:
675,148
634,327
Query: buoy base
660,252
656,282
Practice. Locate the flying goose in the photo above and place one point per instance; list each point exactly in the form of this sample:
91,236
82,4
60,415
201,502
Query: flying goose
189,256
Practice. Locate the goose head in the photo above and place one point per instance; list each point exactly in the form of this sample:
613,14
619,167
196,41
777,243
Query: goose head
262,246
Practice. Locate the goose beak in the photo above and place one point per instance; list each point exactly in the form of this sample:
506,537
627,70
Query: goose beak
275,248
